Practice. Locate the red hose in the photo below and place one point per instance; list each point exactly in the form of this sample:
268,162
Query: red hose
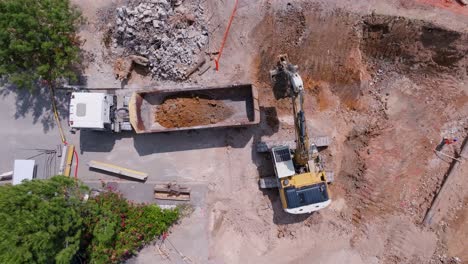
225,36
76,165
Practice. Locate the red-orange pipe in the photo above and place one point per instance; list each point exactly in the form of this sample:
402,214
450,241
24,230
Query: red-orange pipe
77,162
226,33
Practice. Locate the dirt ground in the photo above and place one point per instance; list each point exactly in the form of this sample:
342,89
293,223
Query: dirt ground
187,112
386,80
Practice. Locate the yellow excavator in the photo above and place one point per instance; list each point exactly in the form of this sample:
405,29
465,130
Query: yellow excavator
300,176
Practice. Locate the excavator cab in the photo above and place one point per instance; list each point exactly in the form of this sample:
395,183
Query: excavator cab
301,191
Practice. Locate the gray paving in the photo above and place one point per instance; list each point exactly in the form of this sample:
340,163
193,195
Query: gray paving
186,157
28,129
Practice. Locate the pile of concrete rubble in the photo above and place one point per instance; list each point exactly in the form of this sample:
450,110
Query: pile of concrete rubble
170,34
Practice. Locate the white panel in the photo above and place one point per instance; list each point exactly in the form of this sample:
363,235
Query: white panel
23,170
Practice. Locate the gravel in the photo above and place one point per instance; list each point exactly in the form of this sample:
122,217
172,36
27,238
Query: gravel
171,35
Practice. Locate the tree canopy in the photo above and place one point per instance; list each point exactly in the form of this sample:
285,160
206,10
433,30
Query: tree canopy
41,221
38,40
49,221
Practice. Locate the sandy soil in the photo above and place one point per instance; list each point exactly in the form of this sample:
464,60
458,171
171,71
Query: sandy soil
386,80
187,112
387,89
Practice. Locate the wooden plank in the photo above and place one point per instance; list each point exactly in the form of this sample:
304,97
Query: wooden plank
63,159
176,188
172,191
142,176
69,160
169,196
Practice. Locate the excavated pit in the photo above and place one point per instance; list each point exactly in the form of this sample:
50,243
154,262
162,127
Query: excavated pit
396,82
346,50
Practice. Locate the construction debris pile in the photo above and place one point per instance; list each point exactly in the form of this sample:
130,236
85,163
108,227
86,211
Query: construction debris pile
170,34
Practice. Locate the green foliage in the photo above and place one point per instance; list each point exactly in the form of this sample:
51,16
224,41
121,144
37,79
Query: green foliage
117,229
38,40
40,221
46,221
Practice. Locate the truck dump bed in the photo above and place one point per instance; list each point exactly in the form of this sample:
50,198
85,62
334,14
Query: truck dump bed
194,108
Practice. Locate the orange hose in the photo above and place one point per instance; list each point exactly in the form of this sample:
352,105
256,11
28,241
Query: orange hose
77,162
225,36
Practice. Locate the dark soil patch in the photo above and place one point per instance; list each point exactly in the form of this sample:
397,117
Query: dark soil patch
414,43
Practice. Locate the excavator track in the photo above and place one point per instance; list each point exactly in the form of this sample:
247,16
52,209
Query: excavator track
266,146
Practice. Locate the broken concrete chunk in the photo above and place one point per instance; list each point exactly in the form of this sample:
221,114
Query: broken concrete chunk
139,60
170,41
156,23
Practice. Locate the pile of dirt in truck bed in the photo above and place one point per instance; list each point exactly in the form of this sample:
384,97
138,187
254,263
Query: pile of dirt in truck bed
191,111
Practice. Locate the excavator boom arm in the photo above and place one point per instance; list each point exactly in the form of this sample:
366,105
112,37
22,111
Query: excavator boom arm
301,154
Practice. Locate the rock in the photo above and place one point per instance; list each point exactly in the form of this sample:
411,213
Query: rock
121,11
131,22
162,14
139,60
156,23
122,68
190,18
172,45
147,20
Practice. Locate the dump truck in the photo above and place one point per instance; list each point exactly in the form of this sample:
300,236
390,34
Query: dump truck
164,110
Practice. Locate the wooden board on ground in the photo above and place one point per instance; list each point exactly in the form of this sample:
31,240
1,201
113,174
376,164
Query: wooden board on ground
171,191
142,176
68,159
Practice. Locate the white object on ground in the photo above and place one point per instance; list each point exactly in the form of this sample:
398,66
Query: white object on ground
23,170
6,175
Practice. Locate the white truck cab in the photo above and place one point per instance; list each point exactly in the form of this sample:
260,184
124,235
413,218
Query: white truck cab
90,110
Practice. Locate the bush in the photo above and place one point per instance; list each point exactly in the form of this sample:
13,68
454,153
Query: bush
116,229
40,221
38,40
46,221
